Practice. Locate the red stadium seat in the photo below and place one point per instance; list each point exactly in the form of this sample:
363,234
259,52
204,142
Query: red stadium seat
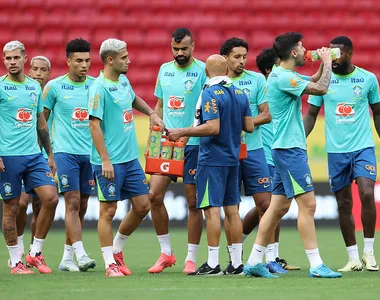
85,34
102,34
210,37
132,36
51,20
158,37
52,37
28,36
5,37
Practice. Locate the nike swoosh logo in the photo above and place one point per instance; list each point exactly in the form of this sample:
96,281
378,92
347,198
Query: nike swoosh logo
374,266
258,250
11,98
330,92
315,274
116,101
165,84
68,97
265,186
371,173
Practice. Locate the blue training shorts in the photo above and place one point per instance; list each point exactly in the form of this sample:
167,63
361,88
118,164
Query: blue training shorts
217,186
346,167
292,175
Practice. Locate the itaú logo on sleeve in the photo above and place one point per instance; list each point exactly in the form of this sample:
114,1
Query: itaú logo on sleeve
79,117
128,119
24,117
165,167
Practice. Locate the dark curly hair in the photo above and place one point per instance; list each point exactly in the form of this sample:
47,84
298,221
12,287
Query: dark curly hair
285,43
77,45
231,43
265,60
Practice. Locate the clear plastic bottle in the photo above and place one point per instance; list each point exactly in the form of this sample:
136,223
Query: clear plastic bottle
179,150
313,55
155,142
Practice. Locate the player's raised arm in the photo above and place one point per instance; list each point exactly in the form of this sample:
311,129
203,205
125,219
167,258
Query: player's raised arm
140,105
321,86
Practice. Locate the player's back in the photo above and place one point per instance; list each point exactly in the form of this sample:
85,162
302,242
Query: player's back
231,104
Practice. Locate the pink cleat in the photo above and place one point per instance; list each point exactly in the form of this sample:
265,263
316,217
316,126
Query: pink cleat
189,267
39,263
119,258
113,271
21,269
163,262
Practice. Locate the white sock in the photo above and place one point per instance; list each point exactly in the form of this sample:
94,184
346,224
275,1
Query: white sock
270,253
276,250
236,255
68,253
244,236
257,254
30,246
368,245
165,243
230,249
37,246
315,259
353,252
192,250
20,244
15,255
118,242
79,249
213,256
108,256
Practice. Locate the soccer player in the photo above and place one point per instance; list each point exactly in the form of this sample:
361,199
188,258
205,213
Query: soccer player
21,124
254,170
224,114
40,71
350,147
67,98
178,87
114,152
292,175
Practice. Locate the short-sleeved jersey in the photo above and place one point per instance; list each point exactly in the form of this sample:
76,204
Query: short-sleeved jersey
284,90
68,101
20,104
253,85
111,102
267,137
347,114
179,89
230,105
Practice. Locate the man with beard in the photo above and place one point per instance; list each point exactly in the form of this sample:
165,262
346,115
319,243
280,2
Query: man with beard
350,147
114,154
292,176
39,71
67,98
253,171
179,84
22,123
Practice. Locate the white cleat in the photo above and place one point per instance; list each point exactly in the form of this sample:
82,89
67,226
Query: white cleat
85,263
351,266
68,265
370,262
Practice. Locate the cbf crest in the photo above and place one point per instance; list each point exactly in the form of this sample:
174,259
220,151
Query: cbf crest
189,84
357,91
247,92
33,98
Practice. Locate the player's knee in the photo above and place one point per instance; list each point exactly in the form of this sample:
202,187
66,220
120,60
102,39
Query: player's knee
142,209
156,198
344,206
192,204
52,202
367,197
108,213
12,211
263,206
73,206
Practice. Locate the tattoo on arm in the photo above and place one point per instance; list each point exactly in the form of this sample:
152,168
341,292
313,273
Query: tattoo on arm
320,87
43,134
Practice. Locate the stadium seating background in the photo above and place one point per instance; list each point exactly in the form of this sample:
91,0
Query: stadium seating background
45,26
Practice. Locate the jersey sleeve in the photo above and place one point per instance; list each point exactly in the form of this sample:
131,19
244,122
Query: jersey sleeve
96,103
315,100
40,107
49,95
304,77
261,85
210,106
291,83
158,90
374,91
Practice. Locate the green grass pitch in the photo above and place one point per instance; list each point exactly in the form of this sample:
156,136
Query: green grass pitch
142,250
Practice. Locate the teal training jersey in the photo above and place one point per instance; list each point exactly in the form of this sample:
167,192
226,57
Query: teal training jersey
50,125
267,137
284,90
111,102
253,85
347,116
68,101
20,104
179,90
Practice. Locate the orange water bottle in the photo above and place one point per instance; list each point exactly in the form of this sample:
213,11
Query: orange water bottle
313,55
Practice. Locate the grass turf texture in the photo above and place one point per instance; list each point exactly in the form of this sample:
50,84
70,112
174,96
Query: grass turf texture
142,250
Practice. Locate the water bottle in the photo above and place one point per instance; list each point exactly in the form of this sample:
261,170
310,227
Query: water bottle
167,149
155,141
313,55
179,150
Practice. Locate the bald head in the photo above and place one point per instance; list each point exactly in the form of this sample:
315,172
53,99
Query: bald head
216,65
